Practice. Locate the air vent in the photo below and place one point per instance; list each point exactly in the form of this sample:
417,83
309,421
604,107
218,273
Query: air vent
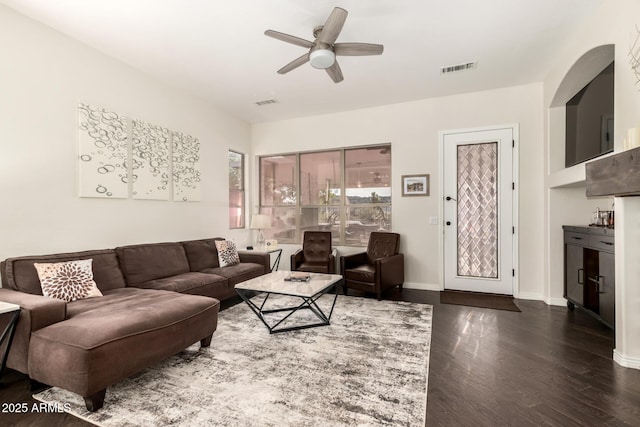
460,67
266,102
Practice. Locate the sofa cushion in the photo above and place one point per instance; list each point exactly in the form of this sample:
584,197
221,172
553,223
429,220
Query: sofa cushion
142,263
67,281
19,273
202,253
131,330
227,253
237,273
112,298
189,283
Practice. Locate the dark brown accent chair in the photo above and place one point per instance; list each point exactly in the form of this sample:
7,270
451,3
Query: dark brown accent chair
379,268
316,255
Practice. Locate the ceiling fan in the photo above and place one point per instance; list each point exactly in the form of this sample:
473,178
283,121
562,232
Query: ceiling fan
324,49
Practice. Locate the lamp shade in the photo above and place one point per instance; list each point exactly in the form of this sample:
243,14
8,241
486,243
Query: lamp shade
260,222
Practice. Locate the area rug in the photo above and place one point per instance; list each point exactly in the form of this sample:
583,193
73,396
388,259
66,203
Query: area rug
475,299
368,368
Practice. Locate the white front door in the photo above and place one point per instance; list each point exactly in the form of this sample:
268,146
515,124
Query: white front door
478,211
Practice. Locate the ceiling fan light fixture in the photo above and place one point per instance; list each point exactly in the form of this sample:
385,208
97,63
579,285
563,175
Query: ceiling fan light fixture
322,58
324,49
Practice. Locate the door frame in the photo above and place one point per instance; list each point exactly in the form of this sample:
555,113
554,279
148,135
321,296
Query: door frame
515,128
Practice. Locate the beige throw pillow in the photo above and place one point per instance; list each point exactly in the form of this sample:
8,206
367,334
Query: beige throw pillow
67,281
227,253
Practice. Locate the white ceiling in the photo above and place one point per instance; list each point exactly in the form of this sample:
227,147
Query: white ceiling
218,50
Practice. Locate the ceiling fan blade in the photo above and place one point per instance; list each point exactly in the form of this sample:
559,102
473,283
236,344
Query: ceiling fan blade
335,73
357,49
294,64
333,26
288,38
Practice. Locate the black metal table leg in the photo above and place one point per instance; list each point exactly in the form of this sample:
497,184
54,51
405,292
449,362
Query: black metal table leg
307,303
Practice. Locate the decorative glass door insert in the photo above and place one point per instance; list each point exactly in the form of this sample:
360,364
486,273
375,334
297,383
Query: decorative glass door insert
478,210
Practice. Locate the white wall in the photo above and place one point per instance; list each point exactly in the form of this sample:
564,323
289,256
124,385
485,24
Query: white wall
43,77
615,23
412,128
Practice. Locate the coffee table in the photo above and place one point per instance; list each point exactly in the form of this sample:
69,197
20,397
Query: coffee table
308,294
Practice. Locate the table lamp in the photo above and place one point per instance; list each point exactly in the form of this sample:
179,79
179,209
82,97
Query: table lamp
260,222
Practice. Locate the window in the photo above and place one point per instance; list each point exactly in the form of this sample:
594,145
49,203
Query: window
236,190
368,193
278,195
345,191
320,192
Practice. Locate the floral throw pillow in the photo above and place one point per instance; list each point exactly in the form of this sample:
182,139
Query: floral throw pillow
227,253
67,281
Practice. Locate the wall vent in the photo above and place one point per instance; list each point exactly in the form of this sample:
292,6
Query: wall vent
459,67
266,102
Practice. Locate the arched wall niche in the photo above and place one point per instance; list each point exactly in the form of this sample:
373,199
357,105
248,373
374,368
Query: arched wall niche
581,72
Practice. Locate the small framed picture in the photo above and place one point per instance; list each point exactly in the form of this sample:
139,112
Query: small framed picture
415,185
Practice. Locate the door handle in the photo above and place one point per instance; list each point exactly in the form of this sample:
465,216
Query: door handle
600,285
449,198
581,281
599,281
448,222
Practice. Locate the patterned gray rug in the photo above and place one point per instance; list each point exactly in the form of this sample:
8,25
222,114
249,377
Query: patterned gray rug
368,368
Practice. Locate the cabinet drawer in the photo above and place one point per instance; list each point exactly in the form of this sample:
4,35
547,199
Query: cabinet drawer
576,238
603,243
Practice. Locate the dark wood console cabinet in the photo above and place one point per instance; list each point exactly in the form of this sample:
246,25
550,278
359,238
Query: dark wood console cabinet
589,271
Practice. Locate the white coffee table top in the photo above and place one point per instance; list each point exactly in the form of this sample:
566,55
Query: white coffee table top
274,283
6,307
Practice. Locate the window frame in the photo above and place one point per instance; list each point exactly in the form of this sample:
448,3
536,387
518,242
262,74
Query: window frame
242,190
343,207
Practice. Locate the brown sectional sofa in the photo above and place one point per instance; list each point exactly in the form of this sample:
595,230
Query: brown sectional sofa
158,299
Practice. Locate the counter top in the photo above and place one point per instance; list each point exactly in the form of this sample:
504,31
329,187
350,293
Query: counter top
590,229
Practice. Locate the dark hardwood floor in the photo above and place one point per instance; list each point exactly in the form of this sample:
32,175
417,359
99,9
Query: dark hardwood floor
544,366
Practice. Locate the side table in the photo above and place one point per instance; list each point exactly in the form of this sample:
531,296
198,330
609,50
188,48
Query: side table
276,262
270,250
9,331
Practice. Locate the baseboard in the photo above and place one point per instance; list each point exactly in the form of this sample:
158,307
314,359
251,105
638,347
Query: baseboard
422,286
530,296
557,301
626,361
540,297
522,295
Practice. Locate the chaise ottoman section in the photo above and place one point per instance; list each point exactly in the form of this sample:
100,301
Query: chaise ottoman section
101,344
